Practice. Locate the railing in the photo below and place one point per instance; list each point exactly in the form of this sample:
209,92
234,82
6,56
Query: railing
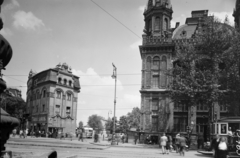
238,142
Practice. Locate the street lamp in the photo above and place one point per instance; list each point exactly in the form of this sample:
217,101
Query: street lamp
114,76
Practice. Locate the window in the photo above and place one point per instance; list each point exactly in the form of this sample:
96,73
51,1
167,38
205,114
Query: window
165,24
155,104
43,108
69,96
154,123
156,63
180,124
163,71
68,110
65,82
44,93
57,109
36,108
59,94
150,25
59,80
157,24
70,83
155,81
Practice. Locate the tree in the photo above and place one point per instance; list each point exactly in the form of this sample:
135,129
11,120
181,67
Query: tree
123,124
95,122
109,125
15,106
133,118
203,70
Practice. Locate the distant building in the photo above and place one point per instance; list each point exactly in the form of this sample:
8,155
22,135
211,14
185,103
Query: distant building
52,97
159,112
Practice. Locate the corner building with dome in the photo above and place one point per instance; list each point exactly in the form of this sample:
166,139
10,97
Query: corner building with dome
158,112
52,97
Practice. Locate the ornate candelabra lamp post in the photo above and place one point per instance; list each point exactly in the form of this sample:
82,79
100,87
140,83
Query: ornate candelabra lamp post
7,123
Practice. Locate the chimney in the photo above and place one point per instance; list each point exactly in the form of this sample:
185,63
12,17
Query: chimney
177,24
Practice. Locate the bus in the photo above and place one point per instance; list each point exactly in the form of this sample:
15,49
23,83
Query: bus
88,132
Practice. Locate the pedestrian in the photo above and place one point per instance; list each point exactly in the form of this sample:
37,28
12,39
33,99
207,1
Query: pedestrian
214,144
123,138
177,143
163,143
222,151
21,133
168,144
135,138
14,132
182,143
80,135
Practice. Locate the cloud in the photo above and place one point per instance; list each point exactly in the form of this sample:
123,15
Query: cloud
141,8
136,45
27,21
10,4
6,32
222,15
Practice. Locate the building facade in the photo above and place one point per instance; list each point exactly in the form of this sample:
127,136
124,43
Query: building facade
52,97
158,112
236,14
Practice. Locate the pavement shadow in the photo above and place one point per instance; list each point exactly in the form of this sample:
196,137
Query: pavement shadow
202,155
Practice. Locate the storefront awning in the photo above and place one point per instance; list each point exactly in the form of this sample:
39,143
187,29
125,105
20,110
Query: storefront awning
7,120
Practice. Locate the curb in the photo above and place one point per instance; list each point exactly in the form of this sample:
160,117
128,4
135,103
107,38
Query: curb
57,146
125,146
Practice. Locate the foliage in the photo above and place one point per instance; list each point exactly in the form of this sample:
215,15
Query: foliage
134,118
109,125
95,122
207,70
15,106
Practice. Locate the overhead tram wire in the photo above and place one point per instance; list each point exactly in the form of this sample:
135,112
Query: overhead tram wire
116,19
133,74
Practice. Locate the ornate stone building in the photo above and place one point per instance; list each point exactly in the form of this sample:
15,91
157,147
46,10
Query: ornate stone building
159,113
52,97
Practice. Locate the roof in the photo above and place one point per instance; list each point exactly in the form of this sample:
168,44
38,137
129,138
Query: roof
184,31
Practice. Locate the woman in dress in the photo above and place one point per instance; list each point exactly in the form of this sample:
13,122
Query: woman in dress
222,151
163,142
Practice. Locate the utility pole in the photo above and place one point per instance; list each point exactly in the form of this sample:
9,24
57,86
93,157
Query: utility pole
114,76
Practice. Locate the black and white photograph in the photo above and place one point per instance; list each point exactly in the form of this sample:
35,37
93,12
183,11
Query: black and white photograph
119,78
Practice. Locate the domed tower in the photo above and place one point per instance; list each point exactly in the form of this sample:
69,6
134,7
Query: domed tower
156,53
157,17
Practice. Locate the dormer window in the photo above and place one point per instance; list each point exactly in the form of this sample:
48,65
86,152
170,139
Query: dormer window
59,80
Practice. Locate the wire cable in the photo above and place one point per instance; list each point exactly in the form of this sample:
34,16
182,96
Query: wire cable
115,19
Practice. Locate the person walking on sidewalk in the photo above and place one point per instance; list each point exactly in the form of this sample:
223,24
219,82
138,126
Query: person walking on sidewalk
177,144
163,143
222,151
182,143
135,138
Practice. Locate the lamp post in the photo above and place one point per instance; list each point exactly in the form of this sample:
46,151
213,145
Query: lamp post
114,76
109,112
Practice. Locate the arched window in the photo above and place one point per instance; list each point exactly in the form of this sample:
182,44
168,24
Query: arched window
59,80
70,83
69,96
163,72
150,25
149,63
165,24
44,94
59,93
157,24
65,81
148,72
156,63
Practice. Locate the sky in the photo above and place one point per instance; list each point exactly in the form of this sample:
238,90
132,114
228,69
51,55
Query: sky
89,35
